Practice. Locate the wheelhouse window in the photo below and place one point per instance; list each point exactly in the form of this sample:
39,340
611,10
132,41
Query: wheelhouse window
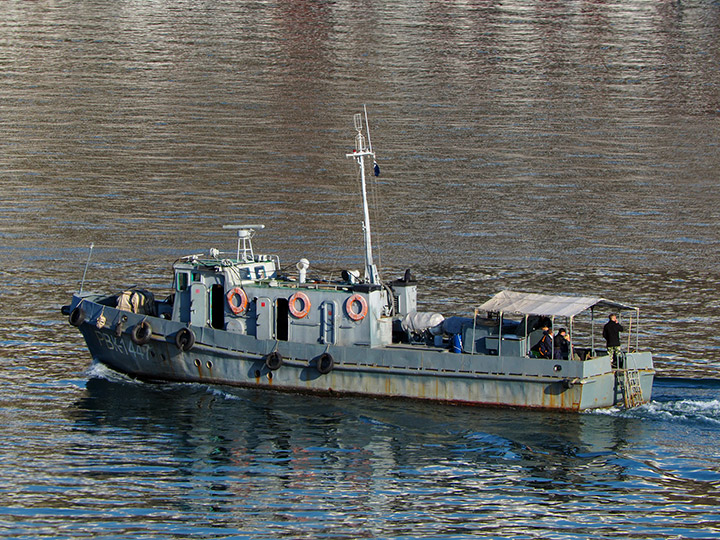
182,281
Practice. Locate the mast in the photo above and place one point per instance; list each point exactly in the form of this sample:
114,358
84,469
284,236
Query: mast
360,153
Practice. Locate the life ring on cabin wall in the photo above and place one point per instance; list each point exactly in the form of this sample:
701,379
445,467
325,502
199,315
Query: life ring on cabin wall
292,303
237,307
350,307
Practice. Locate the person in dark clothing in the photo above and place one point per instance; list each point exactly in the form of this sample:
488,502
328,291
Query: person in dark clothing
562,345
611,333
535,340
545,346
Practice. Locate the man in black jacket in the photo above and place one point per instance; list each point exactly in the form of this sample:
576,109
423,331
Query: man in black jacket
545,345
611,333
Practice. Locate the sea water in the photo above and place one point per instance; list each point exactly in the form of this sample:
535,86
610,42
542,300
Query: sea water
533,146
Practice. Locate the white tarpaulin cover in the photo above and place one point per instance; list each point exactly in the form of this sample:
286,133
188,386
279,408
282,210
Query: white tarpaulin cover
545,304
420,321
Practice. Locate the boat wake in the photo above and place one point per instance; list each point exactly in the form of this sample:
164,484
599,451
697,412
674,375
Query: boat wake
98,370
693,411
101,371
696,411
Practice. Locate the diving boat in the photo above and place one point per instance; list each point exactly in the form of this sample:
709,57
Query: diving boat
240,319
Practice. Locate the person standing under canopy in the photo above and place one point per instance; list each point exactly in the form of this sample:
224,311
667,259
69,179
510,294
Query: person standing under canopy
562,345
611,333
545,346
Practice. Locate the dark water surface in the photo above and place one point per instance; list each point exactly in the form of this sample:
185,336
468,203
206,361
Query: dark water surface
541,146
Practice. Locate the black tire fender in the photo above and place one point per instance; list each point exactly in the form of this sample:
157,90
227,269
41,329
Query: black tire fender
141,333
185,339
273,361
77,316
325,363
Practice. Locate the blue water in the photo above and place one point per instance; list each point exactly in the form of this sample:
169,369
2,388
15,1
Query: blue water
107,457
536,146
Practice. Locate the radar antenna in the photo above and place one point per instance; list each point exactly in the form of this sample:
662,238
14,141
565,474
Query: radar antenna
245,234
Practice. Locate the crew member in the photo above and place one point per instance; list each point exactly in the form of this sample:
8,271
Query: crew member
611,333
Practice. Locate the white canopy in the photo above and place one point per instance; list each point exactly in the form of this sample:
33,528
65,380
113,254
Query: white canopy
546,304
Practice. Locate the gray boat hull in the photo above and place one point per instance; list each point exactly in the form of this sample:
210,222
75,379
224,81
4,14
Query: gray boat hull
398,370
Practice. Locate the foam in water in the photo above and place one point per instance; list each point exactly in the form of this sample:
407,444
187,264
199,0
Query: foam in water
694,410
684,410
98,370
217,392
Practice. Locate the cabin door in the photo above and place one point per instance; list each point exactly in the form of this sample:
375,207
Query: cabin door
263,320
198,304
328,323
282,319
217,306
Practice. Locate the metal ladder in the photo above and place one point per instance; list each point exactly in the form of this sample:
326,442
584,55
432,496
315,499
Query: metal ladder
633,391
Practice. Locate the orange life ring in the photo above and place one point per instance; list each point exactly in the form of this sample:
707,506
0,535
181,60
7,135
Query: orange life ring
350,302
239,307
306,305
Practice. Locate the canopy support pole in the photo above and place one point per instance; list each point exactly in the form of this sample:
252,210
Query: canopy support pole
472,349
592,330
500,335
